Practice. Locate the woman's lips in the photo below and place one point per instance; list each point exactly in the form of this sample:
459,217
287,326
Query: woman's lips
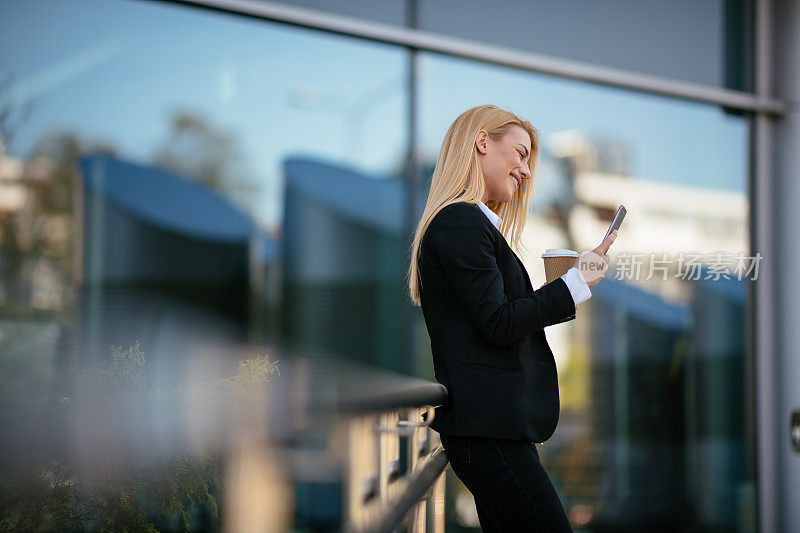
516,181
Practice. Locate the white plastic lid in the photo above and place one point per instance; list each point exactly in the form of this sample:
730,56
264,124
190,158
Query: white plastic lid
560,252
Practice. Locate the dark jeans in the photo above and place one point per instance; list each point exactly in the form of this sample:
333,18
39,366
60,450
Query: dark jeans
511,489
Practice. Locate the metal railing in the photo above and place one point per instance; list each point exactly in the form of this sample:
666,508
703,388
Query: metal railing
381,495
391,462
352,434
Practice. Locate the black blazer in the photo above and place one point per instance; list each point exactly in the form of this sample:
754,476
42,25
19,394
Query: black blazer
486,325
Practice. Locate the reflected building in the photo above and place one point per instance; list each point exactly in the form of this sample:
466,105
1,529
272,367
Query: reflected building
717,433
343,262
163,261
637,412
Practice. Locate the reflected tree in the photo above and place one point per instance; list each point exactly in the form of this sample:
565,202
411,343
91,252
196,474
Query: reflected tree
35,236
196,149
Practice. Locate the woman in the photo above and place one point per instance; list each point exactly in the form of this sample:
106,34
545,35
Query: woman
486,323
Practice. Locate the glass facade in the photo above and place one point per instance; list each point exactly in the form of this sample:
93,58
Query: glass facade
704,42
201,183
198,190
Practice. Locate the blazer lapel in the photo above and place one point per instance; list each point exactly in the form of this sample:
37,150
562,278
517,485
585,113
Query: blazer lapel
524,270
519,261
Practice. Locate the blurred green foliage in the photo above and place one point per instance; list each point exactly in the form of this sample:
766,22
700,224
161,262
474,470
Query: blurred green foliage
44,492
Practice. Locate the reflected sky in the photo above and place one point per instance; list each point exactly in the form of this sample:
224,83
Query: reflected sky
116,70
668,140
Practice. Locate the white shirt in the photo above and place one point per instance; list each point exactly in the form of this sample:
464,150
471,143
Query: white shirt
578,287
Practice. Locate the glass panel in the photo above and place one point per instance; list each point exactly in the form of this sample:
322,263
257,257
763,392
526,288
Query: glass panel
224,103
703,42
196,189
652,432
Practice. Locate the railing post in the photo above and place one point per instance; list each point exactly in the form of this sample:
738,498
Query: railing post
415,440
388,452
378,499
435,501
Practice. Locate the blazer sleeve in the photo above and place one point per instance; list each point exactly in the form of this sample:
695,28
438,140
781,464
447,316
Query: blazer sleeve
464,245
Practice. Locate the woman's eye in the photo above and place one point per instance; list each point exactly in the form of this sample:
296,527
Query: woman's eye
521,155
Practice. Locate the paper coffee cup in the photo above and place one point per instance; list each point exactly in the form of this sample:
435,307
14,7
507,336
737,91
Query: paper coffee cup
557,261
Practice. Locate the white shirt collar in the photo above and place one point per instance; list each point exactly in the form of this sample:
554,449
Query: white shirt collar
496,220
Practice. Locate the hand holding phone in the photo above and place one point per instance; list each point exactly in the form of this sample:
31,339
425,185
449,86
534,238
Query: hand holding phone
594,265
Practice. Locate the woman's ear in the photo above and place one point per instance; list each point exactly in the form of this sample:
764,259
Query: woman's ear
480,141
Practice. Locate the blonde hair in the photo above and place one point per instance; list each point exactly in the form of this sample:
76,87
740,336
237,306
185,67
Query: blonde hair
458,178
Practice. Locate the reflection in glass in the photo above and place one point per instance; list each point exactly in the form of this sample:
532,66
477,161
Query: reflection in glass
208,189
223,112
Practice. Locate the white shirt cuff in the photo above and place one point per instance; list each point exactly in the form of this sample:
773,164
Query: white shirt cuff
577,286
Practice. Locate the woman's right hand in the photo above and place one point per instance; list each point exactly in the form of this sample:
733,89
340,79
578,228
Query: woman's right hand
594,265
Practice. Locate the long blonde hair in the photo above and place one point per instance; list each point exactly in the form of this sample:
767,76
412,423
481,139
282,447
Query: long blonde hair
458,178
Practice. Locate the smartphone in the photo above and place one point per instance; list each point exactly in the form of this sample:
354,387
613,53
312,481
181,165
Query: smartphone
617,222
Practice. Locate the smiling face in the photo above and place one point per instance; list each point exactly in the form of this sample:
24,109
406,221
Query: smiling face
504,163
